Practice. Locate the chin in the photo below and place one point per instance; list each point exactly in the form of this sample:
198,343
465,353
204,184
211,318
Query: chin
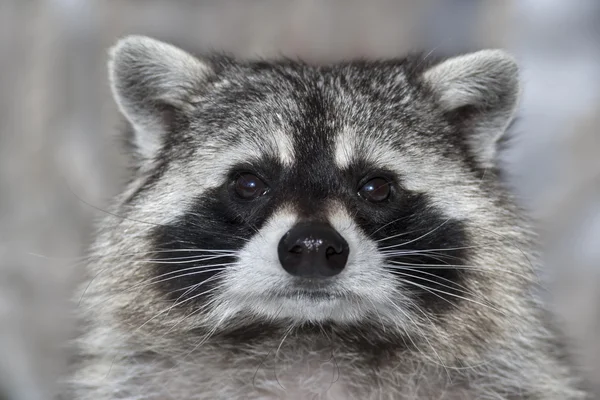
300,308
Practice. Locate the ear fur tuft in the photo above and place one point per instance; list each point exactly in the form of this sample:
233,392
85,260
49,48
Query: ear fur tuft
485,85
150,81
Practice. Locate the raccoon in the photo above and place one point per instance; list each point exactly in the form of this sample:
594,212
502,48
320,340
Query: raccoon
303,231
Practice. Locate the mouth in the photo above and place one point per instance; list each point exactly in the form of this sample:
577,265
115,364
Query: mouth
303,302
314,295
314,290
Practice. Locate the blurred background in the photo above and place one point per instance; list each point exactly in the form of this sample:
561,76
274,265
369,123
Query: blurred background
59,159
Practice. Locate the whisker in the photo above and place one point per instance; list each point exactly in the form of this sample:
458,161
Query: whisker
430,289
398,235
400,273
459,266
377,313
388,224
181,260
122,217
168,309
197,310
206,337
92,257
436,258
523,253
288,331
466,290
194,287
108,268
152,281
424,235
444,249
212,269
239,216
424,336
416,306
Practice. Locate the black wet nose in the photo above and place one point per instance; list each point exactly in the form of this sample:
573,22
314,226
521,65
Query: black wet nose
313,250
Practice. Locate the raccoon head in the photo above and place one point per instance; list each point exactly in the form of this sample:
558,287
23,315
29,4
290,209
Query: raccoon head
360,195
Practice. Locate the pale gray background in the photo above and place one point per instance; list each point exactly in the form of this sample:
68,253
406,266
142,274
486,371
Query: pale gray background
57,118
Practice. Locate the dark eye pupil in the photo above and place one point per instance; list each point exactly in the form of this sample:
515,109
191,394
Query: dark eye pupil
375,190
249,186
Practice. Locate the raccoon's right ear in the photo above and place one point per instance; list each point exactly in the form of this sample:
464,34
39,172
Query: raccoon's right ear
154,84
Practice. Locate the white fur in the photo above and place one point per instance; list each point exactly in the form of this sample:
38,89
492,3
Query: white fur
420,171
255,284
466,79
488,80
143,71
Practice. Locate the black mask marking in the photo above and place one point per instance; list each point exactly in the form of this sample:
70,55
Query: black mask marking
423,248
404,221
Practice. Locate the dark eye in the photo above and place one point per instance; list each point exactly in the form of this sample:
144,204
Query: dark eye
375,190
249,186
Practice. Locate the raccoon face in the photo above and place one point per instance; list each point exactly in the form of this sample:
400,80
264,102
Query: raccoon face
356,194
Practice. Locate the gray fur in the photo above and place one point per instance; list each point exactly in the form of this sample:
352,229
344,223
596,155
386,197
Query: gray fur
146,75
136,344
487,81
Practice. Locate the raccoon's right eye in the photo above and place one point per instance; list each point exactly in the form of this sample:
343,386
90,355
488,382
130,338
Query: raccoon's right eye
249,186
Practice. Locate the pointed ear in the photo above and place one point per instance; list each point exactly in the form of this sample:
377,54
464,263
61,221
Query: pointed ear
154,83
480,91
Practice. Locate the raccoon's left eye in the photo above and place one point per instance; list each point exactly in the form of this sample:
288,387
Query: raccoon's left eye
375,190
249,186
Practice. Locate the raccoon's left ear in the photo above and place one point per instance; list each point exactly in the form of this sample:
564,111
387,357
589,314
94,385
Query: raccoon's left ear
481,92
154,84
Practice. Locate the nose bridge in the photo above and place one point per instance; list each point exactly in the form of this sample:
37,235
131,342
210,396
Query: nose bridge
314,188
312,209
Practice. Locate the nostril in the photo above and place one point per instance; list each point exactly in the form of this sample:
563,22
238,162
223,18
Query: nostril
331,252
296,250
